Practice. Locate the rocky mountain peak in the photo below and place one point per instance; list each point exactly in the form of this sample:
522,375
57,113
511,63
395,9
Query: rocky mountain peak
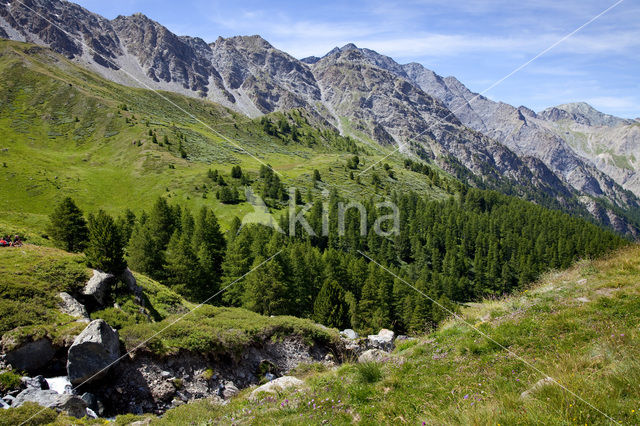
583,113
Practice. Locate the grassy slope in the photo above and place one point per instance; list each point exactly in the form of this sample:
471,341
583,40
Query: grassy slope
63,131
31,278
579,326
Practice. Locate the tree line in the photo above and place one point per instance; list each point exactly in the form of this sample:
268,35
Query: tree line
473,245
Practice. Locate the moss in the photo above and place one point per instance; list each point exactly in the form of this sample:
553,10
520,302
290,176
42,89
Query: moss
9,381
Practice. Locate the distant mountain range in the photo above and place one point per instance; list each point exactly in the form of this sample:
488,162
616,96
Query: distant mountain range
578,157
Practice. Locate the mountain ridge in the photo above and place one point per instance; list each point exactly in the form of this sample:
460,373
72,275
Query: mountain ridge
360,92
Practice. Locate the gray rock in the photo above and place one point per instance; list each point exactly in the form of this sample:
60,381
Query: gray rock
9,399
279,384
537,386
37,382
373,355
97,288
71,404
349,334
165,375
130,281
230,390
71,306
4,405
383,340
31,356
92,353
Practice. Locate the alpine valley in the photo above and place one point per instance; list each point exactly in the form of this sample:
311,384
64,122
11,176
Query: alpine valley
151,178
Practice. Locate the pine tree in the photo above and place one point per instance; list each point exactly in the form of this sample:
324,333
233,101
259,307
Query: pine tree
209,245
182,267
330,307
105,249
266,288
67,228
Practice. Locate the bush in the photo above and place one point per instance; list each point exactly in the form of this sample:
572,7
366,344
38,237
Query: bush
9,381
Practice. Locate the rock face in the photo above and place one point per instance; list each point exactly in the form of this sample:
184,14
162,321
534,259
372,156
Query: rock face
610,143
71,306
92,352
561,137
31,356
279,384
71,404
97,288
37,382
151,384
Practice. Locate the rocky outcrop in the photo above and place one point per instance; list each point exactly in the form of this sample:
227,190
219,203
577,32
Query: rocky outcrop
153,384
71,306
383,340
31,356
97,288
70,404
93,352
277,385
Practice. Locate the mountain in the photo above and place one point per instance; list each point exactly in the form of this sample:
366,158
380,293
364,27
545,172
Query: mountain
357,91
611,143
524,132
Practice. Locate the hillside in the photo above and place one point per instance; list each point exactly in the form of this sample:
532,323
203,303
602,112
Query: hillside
157,328
386,106
577,326
69,132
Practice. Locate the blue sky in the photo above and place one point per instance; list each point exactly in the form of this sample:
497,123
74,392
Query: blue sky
479,42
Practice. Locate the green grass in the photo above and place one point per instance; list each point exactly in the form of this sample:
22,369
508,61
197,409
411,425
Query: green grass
31,278
578,326
219,330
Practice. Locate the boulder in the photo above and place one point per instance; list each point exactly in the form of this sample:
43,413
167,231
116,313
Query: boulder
37,382
31,356
71,404
8,399
97,288
4,405
229,390
349,334
383,340
373,355
92,353
537,386
71,306
129,280
279,384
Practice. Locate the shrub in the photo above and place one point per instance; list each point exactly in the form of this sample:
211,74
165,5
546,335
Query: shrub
9,381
